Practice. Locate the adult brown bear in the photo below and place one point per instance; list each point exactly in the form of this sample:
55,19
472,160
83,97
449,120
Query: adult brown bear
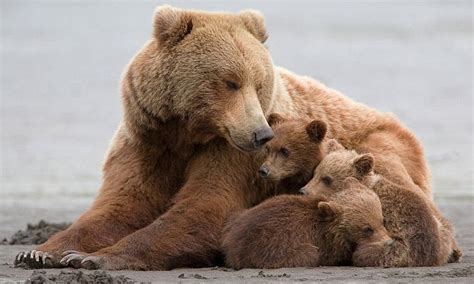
195,100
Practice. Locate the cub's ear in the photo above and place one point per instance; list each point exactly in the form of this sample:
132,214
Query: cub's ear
275,118
364,164
316,130
171,25
254,22
326,211
333,146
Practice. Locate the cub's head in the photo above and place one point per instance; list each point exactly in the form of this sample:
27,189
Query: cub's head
296,149
209,70
356,214
337,165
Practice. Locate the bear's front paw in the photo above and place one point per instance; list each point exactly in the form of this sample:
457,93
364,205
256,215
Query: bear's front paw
34,259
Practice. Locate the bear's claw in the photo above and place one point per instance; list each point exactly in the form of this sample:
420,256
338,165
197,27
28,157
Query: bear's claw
33,259
81,260
70,252
72,258
91,262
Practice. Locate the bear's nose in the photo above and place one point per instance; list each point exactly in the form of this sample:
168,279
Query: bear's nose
262,136
303,191
263,171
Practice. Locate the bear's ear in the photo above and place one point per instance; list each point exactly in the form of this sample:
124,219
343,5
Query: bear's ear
275,118
254,22
316,130
171,25
326,211
332,146
364,164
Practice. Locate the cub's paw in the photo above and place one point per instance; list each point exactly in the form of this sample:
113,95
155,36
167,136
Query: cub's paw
36,259
455,256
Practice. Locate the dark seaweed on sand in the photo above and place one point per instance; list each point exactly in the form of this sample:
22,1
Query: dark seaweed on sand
35,233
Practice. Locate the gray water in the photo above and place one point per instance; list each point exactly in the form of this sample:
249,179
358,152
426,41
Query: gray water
61,63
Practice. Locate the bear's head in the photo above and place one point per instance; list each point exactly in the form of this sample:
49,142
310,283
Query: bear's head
355,215
209,71
296,149
337,165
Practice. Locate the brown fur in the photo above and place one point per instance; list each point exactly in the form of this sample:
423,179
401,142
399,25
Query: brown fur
181,159
291,231
423,237
293,154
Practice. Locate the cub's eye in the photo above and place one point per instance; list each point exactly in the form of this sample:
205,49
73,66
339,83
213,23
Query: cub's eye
384,222
327,180
368,231
232,85
285,152
267,150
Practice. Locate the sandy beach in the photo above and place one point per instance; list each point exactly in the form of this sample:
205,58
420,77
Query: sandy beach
458,211
61,63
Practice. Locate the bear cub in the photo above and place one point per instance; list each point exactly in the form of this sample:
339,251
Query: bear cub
293,154
423,237
309,231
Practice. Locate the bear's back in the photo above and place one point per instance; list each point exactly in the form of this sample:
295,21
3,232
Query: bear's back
276,233
408,217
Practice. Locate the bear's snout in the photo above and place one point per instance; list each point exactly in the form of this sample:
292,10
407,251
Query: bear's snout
303,191
389,242
263,171
262,135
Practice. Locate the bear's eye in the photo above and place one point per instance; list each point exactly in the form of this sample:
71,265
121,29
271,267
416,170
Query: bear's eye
231,85
284,151
368,231
327,180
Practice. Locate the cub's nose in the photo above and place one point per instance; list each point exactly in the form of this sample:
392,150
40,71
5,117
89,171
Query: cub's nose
263,171
262,136
303,191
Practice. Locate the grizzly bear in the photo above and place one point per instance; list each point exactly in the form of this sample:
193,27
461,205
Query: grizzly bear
293,154
292,231
195,102
423,237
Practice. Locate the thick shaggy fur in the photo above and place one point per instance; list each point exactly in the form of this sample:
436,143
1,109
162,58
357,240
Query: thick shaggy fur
423,237
292,231
293,154
181,160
